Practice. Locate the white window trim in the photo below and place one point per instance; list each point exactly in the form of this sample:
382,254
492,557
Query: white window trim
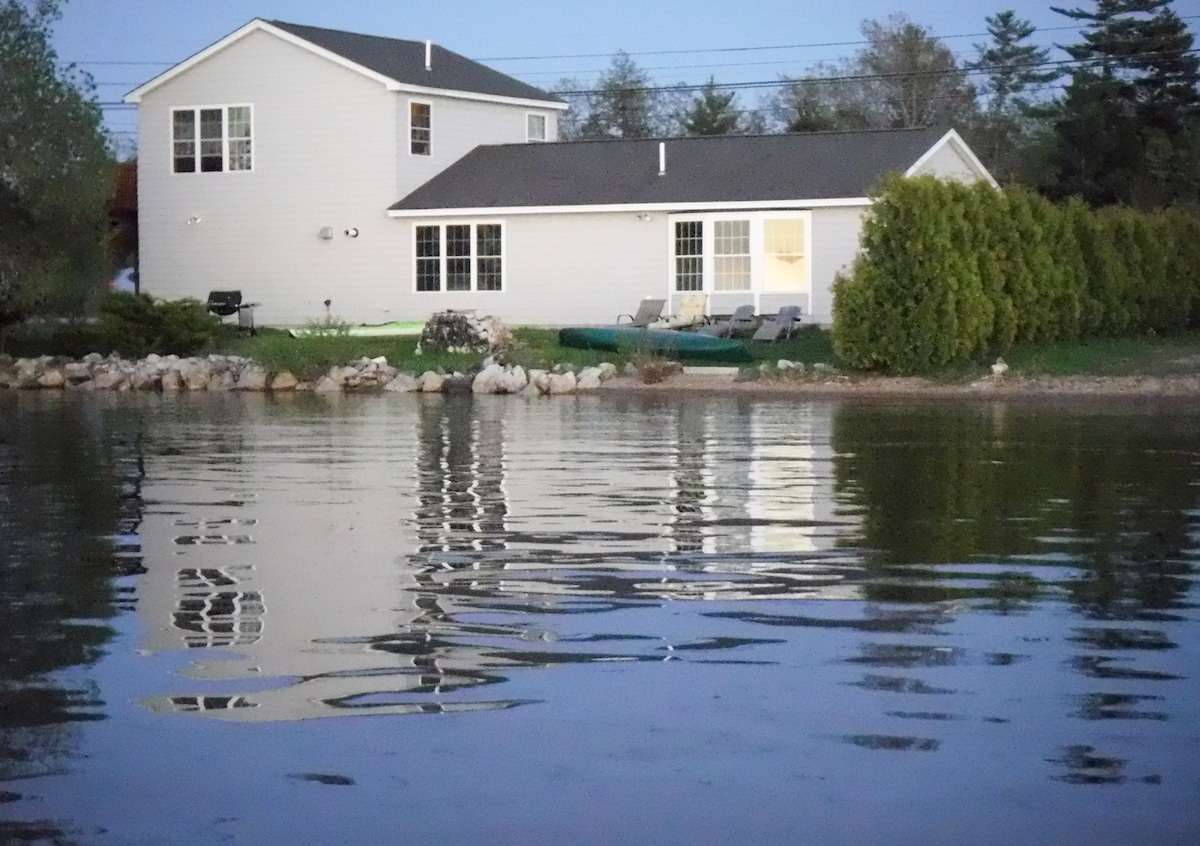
529,139
224,107
757,253
411,102
442,257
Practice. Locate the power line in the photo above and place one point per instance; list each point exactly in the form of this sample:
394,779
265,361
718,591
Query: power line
550,57
749,49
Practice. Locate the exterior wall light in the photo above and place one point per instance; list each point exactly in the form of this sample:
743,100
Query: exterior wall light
352,232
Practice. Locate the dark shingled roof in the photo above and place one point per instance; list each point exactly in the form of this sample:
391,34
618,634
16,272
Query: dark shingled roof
757,168
404,61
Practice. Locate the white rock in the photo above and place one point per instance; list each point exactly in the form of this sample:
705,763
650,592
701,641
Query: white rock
589,379
514,380
402,383
171,381
252,379
487,380
560,383
284,381
1000,367
431,383
51,377
607,370
327,385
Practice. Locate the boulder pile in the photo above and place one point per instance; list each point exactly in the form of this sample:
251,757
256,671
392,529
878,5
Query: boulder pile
463,332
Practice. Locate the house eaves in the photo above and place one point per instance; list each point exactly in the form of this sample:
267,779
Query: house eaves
804,170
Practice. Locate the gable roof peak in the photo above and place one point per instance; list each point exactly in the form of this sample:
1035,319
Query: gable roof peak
400,65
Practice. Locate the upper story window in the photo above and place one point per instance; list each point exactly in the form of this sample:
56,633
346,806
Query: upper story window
535,127
211,139
420,128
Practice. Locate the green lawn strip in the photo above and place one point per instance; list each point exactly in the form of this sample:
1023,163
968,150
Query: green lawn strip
1149,355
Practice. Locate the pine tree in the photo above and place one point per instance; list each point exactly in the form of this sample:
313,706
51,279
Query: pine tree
711,112
1127,124
1012,68
623,106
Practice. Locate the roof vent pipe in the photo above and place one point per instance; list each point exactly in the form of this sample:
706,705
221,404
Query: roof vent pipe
428,55
662,157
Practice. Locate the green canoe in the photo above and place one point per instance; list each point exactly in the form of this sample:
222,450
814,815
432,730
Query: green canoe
690,345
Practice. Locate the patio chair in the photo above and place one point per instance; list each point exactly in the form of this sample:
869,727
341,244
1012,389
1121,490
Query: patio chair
782,325
228,303
692,308
742,320
648,311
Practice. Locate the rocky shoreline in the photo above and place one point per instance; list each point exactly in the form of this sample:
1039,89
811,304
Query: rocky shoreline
173,374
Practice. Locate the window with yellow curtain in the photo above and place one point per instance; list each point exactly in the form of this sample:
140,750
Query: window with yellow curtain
785,255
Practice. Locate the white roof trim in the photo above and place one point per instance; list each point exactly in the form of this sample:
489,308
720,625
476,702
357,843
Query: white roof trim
960,146
259,25
620,208
423,91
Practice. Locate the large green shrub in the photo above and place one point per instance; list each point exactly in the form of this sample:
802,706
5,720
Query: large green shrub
137,325
914,299
949,272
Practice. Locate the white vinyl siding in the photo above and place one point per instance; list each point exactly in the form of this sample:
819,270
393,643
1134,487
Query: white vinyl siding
211,139
459,257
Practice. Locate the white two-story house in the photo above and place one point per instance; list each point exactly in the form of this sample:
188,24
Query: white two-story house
331,174
267,163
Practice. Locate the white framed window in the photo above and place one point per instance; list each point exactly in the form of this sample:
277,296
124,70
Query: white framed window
535,127
459,256
212,139
731,255
420,128
756,252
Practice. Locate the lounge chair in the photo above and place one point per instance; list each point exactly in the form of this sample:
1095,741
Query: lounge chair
782,325
228,303
691,313
742,320
648,311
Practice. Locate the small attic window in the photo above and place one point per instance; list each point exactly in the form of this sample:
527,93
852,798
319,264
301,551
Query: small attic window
535,127
420,128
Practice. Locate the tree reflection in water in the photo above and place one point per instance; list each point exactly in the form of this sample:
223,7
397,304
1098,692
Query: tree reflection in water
70,507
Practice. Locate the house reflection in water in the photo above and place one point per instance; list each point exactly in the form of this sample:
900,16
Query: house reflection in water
409,557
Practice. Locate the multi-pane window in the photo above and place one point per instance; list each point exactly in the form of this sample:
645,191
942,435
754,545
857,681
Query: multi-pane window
689,255
488,260
429,258
535,127
211,139
755,252
420,128
460,257
731,255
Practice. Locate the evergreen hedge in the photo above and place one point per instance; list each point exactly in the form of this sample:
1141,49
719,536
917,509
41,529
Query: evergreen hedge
951,272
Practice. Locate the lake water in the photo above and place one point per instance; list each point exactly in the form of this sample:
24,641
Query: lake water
597,620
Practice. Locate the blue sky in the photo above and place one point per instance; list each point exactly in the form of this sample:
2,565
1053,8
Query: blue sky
122,43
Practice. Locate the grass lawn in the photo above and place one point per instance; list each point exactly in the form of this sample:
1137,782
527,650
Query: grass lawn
1152,355
308,357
